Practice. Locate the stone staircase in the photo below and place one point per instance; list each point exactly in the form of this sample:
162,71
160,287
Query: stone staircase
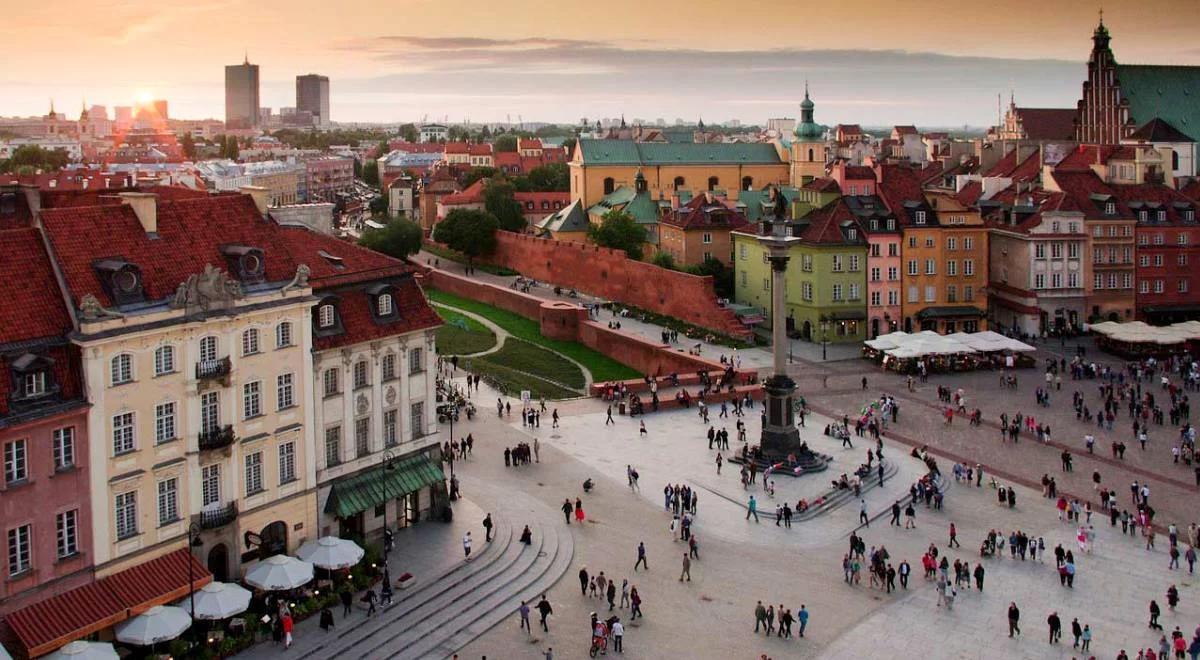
810,462
437,617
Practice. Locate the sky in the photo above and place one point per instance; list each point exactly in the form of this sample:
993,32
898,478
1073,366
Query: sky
873,62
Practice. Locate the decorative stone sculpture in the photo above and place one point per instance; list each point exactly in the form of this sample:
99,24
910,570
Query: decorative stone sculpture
204,289
90,309
299,281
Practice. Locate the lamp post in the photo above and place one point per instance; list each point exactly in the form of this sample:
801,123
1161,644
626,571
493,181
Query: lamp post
193,533
824,335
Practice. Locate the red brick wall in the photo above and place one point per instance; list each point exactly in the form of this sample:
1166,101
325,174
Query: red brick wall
514,301
610,274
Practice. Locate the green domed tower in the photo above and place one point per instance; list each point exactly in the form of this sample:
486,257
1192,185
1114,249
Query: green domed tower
809,151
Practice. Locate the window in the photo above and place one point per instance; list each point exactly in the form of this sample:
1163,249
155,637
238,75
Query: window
928,241
952,268
893,273
837,263
254,473
287,462
164,422
125,514
1181,259
1072,227
930,266
742,252
951,243
362,437
968,267
210,412
64,447
384,304
893,249
416,361
333,446
968,293
912,241
1127,230
164,360
706,238
389,428
122,369
1072,250
806,290
854,292
35,383
1056,280
210,484
360,374
1181,239
919,217
913,294
851,234
951,293
283,335
1056,250
1143,286
1098,281
208,349
19,539
1158,286
1126,280
1182,286
16,461
330,379
1073,280
876,298
418,419
122,430
325,316
1110,208
893,297
67,524
745,278
250,342
1127,255
388,366
1143,239
912,267
1054,227
1039,251
1112,280
837,292
1039,281
930,294
854,263
168,501
875,247
1158,239
806,263
875,274
251,400
284,392
1097,231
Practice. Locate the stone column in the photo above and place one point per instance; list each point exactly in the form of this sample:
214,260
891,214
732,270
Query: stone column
778,311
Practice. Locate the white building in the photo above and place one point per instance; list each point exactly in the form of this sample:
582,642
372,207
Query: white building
434,133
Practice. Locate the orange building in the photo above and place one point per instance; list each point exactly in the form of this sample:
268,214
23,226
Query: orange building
699,231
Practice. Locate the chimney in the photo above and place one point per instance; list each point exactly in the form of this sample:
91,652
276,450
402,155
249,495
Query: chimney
260,195
145,206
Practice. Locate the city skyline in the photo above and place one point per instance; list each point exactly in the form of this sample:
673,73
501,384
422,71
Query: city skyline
549,65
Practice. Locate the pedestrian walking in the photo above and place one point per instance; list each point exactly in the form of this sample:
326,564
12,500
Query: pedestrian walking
544,609
802,618
641,557
1014,619
467,545
523,611
953,537
687,568
487,528
752,509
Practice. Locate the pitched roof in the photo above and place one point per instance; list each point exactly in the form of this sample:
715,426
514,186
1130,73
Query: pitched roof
822,184
359,323
33,307
859,173
628,152
969,194
702,213
1090,194
899,185
825,224
571,218
1191,190
472,194
1154,198
1166,92
1159,130
1047,123
905,129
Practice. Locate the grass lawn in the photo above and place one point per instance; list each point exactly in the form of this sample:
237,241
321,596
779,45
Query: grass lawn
524,356
462,335
511,382
602,367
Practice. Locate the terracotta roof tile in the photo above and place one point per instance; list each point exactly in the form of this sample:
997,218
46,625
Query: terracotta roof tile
354,309
699,213
825,224
1047,123
33,306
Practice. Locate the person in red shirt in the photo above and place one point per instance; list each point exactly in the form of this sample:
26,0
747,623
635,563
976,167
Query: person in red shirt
287,630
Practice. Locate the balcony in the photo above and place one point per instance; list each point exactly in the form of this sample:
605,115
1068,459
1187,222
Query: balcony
217,515
214,370
218,438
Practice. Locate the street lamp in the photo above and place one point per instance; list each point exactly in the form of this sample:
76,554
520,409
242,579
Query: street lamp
194,541
824,335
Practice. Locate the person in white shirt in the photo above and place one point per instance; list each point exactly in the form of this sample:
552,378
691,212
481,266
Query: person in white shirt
618,632
467,545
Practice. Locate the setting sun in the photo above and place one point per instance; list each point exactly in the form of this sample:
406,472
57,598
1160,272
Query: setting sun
144,98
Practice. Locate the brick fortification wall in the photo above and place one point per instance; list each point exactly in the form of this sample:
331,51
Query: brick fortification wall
609,274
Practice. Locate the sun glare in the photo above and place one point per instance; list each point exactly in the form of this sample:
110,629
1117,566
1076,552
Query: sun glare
144,97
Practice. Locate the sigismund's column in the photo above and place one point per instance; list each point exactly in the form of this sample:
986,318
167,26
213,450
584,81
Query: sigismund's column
779,435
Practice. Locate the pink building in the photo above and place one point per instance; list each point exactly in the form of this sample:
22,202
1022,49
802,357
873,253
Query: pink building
859,190
44,503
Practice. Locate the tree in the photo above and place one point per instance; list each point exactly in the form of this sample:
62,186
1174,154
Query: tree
499,201
188,145
370,172
569,145
722,276
457,134
408,133
378,206
384,148
230,148
551,177
663,260
469,231
618,230
398,238
477,173
506,143
31,157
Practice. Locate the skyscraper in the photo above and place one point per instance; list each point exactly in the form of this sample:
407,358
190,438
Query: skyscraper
312,94
241,95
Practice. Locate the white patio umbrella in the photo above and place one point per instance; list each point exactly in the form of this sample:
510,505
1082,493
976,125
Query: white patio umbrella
81,650
279,573
218,600
4,654
331,552
160,623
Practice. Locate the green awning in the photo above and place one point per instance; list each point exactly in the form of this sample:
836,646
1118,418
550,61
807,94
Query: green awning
370,488
950,312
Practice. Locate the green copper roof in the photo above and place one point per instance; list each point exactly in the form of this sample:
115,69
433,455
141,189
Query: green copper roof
750,202
628,152
637,204
1169,92
370,488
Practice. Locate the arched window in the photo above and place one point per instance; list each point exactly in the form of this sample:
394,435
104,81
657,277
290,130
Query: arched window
679,182
122,369
384,304
747,182
609,185
164,360
250,341
325,316
713,182
330,382
811,155
283,335
208,349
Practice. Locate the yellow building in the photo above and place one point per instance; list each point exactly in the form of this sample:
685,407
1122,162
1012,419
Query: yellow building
194,326
599,167
808,148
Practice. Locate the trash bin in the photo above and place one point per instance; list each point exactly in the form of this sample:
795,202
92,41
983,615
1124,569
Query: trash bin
621,408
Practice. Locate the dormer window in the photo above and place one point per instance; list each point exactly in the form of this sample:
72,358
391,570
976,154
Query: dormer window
333,260
384,305
32,377
34,384
852,234
121,280
326,316
245,262
1189,215
1143,215
1110,208
1162,215
891,224
874,224
919,217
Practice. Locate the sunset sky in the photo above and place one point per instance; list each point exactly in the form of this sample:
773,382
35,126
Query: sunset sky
927,62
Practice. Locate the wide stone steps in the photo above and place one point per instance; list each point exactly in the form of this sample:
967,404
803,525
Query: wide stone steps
834,499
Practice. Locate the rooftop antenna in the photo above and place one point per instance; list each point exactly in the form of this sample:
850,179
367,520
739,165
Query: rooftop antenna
246,57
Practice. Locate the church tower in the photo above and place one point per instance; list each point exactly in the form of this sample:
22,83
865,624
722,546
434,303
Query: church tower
1103,114
809,149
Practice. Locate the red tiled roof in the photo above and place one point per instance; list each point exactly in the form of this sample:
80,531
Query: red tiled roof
899,184
970,193
56,199
825,224
416,147
930,171
907,129
822,184
1081,185
472,194
354,308
33,307
508,158
700,213
859,173
1047,123
563,198
529,144
468,148
52,623
1003,166
1086,155
190,234
1191,190
1150,193
357,262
